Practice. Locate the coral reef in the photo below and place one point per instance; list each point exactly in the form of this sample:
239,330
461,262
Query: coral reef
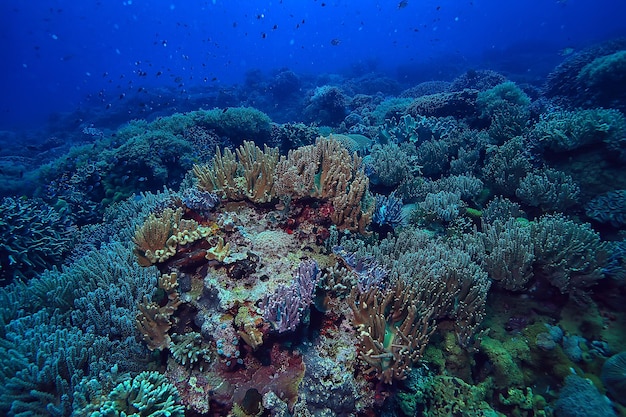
421,255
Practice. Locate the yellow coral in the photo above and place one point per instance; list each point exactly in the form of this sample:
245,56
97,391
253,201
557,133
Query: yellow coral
158,238
218,252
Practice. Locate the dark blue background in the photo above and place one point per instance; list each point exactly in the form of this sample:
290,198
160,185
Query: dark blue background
55,53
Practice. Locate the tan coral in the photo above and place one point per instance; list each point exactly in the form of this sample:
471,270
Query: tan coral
154,320
219,252
158,238
327,171
394,329
151,239
246,174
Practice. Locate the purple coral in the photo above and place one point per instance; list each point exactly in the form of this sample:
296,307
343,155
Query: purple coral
388,210
368,271
202,202
285,307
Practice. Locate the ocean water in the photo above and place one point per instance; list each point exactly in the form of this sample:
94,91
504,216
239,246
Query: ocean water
312,208
60,57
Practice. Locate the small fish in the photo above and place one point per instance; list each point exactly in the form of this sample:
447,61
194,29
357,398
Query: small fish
566,51
403,4
335,42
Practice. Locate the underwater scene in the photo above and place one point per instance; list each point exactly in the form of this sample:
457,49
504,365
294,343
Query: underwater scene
313,208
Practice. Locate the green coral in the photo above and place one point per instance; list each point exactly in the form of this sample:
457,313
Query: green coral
606,71
506,105
236,123
506,357
149,394
570,130
187,349
389,109
160,156
440,395
504,94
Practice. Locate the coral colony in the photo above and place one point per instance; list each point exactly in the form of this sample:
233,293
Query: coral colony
455,250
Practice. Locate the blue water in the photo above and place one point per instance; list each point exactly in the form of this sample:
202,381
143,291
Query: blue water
59,56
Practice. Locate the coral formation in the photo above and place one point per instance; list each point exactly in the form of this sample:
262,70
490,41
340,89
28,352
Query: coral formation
285,278
33,236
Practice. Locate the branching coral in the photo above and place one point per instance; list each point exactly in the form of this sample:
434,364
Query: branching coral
608,208
509,252
246,174
285,308
549,190
327,171
394,328
565,131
